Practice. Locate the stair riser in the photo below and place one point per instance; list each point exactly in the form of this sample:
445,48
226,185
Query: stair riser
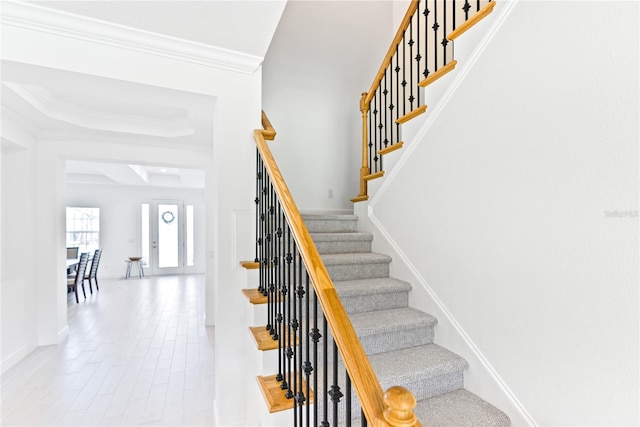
343,247
357,271
331,226
396,340
363,303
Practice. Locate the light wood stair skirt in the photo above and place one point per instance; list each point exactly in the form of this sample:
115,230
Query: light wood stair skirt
395,96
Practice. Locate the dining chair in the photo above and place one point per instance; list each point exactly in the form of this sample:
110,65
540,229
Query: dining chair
93,271
72,252
76,280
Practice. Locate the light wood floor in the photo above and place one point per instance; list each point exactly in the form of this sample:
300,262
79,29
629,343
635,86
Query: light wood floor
137,353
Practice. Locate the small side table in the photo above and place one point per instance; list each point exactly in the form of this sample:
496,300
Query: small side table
138,263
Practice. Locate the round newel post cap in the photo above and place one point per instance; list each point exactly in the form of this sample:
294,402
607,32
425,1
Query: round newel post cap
399,403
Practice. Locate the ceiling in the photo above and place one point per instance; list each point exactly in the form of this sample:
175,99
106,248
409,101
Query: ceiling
63,104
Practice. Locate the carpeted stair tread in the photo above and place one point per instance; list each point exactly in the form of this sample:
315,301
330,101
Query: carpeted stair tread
355,258
379,285
458,409
427,370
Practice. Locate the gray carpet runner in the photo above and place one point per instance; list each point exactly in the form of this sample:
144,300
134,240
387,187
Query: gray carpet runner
397,338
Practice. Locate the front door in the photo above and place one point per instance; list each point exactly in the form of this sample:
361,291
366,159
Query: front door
167,238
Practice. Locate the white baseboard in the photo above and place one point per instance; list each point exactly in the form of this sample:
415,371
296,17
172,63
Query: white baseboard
15,357
63,334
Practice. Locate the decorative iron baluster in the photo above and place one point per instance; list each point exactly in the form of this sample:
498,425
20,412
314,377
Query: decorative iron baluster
257,203
347,391
374,163
371,132
404,75
435,35
300,396
363,419
445,42
418,57
386,128
411,42
325,375
268,264
335,392
380,127
397,70
308,366
315,336
454,13
426,13
291,338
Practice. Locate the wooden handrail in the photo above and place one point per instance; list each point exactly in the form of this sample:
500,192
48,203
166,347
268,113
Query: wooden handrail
392,49
363,378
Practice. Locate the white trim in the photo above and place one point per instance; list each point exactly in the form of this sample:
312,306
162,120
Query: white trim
460,76
42,19
63,334
15,357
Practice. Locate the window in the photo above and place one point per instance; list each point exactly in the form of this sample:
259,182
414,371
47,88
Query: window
83,228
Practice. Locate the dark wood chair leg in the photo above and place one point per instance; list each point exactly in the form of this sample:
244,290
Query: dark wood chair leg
83,292
97,288
90,289
75,289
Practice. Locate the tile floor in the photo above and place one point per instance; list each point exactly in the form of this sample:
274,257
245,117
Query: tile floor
137,353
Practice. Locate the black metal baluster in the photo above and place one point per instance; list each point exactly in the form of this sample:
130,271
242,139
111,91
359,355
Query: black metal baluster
397,108
466,8
374,157
445,42
477,5
404,75
300,396
269,266
308,367
291,338
347,391
315,336
435,35
418,56
371,135
380,127
325,375
454,13
335,392
363,419
426,13
411,42
257,203
385,110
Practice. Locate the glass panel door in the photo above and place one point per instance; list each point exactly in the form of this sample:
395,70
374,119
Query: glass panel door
167,242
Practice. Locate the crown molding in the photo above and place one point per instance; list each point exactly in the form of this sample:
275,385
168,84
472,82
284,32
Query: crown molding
50,21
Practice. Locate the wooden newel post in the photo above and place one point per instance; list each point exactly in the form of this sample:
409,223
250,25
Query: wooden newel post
399,403
364,170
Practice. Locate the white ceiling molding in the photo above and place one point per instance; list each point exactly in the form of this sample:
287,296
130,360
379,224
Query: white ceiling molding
50,21
47,104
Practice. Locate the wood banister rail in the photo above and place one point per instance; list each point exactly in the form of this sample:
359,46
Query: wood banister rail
363,378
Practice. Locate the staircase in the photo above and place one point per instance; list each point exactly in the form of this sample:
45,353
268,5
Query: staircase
397,338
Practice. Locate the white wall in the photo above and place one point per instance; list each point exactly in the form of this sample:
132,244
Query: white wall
18,277
323,56
120,223
229,185
503,209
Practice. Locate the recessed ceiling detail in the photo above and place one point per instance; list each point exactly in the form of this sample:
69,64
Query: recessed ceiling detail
164,122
